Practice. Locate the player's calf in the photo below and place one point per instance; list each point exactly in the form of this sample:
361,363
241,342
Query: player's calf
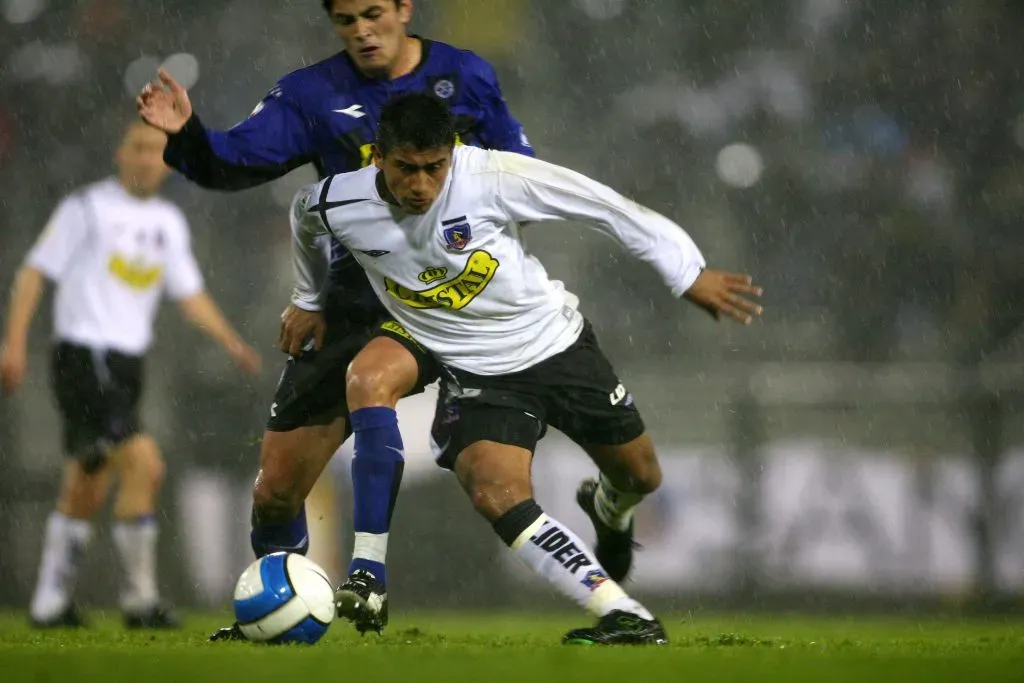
380,374
66,538
290,463
629,472
497,478
140,467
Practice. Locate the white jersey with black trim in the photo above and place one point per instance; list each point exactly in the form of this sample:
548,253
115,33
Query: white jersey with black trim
455,277
111,255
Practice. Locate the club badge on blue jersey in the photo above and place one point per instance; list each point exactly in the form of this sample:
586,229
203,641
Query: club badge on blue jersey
457,233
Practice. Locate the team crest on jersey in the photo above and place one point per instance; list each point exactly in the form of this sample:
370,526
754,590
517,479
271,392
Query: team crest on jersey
457,233
456,293
444,88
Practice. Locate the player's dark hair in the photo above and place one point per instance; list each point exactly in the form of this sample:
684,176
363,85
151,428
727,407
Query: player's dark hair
415,120
329,5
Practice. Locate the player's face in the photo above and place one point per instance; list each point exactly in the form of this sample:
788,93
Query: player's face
373,32
415,176
140,159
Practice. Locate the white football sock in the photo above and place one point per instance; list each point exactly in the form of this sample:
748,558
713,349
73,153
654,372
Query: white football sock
372,547
136,543
614,507
63,549
552,550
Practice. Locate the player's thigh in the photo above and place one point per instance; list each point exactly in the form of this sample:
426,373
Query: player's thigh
97,396
83,493
311,389
466,414
292,461
138,461
587,401
392,365
123,395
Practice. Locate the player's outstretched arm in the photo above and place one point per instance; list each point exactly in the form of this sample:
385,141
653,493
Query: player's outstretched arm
721,293
272,141
25,294
533,190
183,282
202,311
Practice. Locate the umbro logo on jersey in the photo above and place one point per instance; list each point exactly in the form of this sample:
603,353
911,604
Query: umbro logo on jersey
353,111
374,253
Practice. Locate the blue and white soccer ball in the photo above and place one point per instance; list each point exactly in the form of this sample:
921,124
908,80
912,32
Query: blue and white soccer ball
284,598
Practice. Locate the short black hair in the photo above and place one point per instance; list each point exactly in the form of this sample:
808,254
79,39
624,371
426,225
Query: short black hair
415,120
329,5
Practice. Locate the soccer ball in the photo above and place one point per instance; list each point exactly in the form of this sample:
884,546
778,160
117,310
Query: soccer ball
284,598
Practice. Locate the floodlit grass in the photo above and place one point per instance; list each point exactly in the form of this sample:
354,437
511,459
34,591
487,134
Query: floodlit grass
489,648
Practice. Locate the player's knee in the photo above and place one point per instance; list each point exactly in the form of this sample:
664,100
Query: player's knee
141,463
82,494
647,477
156,471
274,504
380,376
643,469
368,385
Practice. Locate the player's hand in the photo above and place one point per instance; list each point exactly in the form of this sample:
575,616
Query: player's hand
297,326
718,292
13,364
164,104
246,358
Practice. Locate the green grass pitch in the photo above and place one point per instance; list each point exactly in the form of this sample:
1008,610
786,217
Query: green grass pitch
491,648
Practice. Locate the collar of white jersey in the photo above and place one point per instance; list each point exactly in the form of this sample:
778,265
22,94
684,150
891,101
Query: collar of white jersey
113,184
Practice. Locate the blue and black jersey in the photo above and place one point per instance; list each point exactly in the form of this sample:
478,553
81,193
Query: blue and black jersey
326,115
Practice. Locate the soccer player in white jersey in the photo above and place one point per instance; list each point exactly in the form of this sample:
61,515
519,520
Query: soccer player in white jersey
112,248
431,224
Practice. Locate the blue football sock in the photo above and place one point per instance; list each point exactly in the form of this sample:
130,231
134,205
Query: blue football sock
376,476
291,537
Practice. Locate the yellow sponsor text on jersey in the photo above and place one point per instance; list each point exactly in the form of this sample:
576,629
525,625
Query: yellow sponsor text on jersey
456,293
133,273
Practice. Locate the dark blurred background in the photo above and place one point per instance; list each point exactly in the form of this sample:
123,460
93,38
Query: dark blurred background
862,158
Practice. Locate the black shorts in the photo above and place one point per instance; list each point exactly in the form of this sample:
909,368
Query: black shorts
576,391
311,390
97,395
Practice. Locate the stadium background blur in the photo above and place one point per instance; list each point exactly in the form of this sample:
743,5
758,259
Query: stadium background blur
862,158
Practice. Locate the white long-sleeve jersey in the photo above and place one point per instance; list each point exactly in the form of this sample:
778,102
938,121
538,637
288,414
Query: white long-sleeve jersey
112,255
455,277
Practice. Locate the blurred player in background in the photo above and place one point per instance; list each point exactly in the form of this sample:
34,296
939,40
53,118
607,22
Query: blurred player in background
517,353
327,114
111,248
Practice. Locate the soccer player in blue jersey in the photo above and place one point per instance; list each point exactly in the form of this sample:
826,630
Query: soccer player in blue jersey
326,114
